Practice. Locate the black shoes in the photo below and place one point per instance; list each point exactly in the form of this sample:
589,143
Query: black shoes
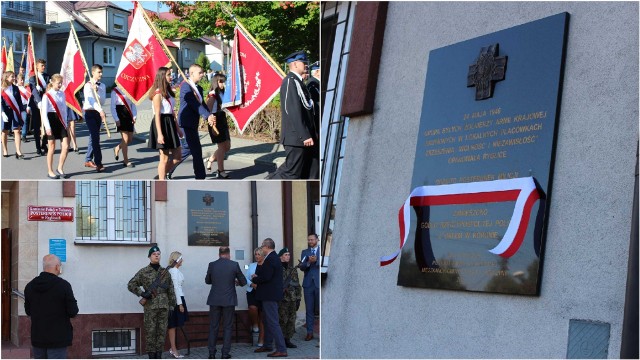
289,344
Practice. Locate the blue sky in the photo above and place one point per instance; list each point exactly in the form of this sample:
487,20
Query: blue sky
149,5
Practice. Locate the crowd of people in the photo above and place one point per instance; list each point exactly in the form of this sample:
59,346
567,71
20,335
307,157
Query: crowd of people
40,107
273,297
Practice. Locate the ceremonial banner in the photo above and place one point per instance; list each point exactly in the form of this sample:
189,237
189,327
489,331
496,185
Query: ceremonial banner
30,59
259,77
476,215
10,65
141,58
73,73
232,95
3,61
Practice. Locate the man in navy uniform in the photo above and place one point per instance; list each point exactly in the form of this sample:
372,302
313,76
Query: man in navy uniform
312,168
192,106
298,131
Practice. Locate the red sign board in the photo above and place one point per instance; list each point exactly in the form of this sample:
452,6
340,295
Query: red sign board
50,213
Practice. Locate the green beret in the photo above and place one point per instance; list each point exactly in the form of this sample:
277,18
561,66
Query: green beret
152,250
283,251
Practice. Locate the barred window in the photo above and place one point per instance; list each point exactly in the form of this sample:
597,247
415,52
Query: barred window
116,341
113,212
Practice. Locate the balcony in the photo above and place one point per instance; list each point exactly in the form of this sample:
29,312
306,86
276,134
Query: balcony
26,12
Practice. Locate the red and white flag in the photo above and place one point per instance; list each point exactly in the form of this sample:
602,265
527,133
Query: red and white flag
521,190
30,70
3,60
261,80
73,73
141,58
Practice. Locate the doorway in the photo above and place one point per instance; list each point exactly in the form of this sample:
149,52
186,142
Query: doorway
6,284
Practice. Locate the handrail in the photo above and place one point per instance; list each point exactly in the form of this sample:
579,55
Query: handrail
17,293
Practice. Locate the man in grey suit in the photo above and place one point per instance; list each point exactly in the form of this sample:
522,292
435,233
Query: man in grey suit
223,275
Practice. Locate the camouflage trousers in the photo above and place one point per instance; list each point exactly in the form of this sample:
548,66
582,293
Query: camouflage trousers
155,328
287,313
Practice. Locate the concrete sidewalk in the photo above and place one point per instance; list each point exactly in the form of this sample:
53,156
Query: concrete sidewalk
305,350
242,149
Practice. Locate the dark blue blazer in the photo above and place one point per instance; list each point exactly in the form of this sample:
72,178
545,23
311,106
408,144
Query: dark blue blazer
269,279
190,108
311,271
6,108
37,95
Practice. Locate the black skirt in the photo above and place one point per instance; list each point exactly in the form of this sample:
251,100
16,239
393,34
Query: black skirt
169,131
57,129
126,120
223,129
177,318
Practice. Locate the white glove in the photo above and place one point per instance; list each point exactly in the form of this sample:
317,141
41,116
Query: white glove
38,88
40,106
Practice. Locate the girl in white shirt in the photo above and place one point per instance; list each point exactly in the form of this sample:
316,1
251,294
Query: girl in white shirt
54,119
179,314
124,113
165,133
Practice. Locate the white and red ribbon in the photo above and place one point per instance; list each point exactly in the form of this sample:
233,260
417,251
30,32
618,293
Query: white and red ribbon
521,190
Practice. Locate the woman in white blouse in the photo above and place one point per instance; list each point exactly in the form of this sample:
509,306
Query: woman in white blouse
179,315
165,133
54,119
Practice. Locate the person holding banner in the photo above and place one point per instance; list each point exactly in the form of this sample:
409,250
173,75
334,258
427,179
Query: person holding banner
38,84
164,134
54,119
25,96
94,115
124,114
192,106
13,113
223,139
72,117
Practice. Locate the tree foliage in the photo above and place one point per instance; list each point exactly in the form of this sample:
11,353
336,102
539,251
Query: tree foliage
280,27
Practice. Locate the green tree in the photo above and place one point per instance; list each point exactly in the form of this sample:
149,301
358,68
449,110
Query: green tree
203,61
280,27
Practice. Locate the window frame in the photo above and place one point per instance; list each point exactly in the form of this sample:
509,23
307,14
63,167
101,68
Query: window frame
124,23
111,237
110,51
111,350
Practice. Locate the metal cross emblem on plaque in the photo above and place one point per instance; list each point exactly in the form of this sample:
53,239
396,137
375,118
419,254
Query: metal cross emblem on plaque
488,69
207,199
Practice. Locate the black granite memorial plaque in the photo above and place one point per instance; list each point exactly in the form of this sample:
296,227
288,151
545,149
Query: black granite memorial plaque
490,113
208,219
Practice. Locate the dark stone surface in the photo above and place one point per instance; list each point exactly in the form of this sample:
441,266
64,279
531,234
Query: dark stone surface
509,135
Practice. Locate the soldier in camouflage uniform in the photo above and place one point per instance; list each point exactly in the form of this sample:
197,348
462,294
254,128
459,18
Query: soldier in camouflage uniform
156,309
289,304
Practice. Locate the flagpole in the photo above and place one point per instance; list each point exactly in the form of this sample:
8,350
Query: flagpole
160,39
21,60
165,48
95,93
37,78
255,42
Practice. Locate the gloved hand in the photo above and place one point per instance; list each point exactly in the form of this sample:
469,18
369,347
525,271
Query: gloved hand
38,88
147,295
